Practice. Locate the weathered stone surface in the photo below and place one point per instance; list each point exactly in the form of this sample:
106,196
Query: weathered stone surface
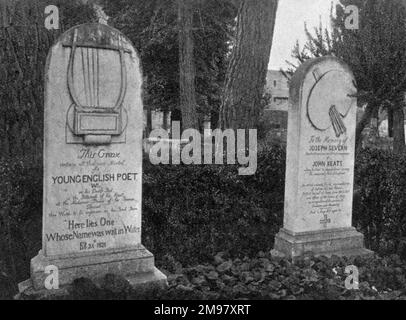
340,242
96,266
92,192
320,161
93,160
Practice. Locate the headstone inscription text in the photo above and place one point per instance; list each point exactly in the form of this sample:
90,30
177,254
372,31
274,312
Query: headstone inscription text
92,185
320,161
324,151
92,162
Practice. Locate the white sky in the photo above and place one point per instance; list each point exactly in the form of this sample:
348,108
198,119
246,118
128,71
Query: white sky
289,27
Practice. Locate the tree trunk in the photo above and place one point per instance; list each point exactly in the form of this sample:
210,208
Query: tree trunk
390,123
246,74
374,124
165,123
24,44
187,72
148,108
366,118
148,127
398,129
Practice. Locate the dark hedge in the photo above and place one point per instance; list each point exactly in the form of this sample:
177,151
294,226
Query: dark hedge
190,213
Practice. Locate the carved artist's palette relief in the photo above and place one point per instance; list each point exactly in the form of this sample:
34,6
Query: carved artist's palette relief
330,101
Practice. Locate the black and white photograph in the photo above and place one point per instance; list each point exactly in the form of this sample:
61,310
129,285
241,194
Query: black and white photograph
200,156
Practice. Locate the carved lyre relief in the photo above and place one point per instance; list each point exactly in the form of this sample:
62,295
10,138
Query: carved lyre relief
97,85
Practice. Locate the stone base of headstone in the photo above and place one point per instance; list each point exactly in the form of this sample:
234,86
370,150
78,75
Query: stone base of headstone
135,265
339,242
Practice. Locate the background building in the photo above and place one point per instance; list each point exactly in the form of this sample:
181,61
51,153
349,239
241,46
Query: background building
277,86
275,117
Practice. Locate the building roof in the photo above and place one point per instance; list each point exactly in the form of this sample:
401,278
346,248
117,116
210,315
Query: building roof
277,86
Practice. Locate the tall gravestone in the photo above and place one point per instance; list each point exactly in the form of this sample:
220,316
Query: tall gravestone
93,161
320,162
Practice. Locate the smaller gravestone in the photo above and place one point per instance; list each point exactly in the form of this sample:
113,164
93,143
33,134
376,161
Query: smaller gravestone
320,163
92,163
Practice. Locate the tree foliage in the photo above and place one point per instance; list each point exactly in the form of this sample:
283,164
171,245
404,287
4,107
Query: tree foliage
24,45
153,28
376,53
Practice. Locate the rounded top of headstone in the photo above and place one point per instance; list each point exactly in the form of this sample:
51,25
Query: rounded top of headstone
96,35
298,79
